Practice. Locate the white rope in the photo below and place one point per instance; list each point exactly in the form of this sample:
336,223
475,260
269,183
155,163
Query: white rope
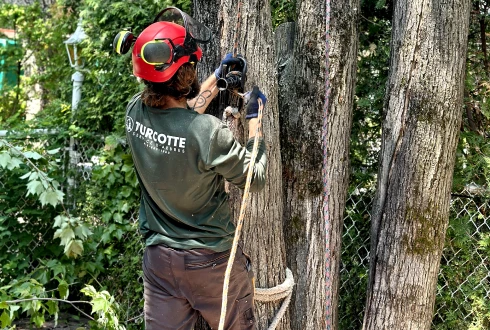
283,290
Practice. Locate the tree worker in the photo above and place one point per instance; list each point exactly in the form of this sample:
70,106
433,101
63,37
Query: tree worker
182,158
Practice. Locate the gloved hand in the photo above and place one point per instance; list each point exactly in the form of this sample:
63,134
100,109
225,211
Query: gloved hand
252,103
227,60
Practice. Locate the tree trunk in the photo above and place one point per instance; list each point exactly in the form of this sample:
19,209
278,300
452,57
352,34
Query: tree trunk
206,12
344,45
302,96
423,109
262,230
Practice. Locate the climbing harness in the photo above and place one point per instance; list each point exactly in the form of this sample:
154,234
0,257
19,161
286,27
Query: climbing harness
235,89
328,276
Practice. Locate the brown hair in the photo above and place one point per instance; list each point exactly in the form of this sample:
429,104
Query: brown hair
183,84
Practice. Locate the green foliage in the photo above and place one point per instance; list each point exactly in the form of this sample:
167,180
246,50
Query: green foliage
41,32
461,302
109,83
32,174
283,11
104,307
12,92
472,161
72,232
113,197
355,252
100,231
373,64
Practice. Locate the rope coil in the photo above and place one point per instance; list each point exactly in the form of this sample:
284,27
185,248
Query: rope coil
284,290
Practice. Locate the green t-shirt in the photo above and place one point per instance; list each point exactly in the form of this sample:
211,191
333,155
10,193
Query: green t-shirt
181,158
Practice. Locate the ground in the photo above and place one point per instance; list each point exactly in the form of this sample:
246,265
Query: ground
65,322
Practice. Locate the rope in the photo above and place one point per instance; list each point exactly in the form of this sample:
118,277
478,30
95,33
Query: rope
241,217
328,277
284,290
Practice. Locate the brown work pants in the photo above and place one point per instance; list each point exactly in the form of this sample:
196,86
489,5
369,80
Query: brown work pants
181,284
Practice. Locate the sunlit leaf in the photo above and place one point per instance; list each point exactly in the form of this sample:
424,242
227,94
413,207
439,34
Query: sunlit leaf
74,248
32,155
4,159
51,197
35,188
53,151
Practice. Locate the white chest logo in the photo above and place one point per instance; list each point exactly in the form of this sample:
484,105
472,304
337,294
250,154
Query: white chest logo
129,124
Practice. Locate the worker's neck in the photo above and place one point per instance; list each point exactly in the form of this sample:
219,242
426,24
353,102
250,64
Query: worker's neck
175,103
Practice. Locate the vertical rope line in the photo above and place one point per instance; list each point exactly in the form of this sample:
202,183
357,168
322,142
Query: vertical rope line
328,275
239,224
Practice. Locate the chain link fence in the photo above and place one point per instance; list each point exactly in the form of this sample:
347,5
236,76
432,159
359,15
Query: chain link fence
463,291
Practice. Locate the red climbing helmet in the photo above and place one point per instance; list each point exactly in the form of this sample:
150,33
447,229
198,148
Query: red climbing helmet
156,55
161,49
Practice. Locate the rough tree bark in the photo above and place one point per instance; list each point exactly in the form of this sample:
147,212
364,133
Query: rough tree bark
206,12
423,109
344,45
302,97
262,231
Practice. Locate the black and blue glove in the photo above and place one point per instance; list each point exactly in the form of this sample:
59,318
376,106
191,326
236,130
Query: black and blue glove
252,103
227,60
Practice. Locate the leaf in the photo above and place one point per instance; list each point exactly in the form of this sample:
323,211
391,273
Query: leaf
118,217
111,142
53,151
89,290
38,319
126,191
74,248
43,277
51,197
82,231
52,263
106,216
59,269
5,320
59,220
35,188
4,159
3,305
14,163
63,289
53,308
32,155
126,168
125,208
13,309
66,235
25,176
99,304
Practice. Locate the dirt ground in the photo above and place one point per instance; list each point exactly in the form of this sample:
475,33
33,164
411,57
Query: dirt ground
65,322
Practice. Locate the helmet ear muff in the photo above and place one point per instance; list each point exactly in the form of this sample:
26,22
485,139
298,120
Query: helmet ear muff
156,52
123,41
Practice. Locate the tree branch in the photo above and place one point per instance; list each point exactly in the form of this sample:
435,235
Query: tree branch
55,299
